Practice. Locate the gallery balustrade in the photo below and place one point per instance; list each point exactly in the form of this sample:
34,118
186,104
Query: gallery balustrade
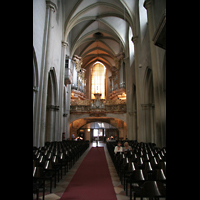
98,106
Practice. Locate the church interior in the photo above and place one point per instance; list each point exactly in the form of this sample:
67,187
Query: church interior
99,76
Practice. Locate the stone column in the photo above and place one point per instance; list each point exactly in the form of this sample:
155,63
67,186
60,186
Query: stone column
51,7
137,113
61,91
67,111
112,83
149,135
129,99
158,134
66,114
50,121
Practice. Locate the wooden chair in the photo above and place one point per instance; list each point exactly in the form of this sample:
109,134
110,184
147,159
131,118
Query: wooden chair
48,176
63,160
136,180
158,175
152,189
162,165
154,163
56,165
38,180
128,176
50,171
148,171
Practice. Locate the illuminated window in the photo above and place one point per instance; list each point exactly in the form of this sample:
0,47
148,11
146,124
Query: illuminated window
98,80
96,132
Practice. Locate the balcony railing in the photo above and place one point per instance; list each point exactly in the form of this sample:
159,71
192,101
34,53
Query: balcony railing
89,106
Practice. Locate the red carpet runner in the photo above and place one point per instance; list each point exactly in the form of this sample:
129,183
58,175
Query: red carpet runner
92,180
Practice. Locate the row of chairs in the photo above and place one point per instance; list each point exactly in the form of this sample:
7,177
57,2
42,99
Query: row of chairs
144,163
49,161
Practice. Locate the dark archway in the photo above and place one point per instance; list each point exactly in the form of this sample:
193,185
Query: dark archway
148,106
116,124
51,107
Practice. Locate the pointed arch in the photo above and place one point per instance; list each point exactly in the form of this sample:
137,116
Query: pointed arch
52,100
72,22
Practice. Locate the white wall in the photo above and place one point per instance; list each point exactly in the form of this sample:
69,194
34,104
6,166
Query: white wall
39,12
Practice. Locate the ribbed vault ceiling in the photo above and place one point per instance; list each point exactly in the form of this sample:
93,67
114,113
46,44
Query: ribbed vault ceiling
97,29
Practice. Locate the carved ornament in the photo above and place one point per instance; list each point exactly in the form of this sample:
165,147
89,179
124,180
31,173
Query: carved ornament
78,62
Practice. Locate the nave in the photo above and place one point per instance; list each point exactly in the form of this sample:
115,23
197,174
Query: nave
66,179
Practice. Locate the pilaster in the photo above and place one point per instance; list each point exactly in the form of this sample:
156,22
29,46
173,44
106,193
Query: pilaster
137,130
64,45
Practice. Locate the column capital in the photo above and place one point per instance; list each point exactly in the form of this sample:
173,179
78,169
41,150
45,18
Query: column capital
147,3
64,44
52,4
134,39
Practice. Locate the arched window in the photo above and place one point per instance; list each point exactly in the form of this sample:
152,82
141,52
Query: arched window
98,80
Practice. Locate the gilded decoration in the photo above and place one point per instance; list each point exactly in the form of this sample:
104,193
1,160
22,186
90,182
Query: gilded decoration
78,62
98,107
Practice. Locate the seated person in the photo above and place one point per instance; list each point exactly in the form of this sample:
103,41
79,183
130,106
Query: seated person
118,148
126,148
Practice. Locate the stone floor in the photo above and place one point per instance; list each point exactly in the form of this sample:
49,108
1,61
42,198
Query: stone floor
63,183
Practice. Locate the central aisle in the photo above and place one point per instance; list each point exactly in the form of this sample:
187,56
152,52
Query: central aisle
92,180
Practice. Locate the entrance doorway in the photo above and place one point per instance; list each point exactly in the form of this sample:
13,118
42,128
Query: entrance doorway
101,130
98,133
